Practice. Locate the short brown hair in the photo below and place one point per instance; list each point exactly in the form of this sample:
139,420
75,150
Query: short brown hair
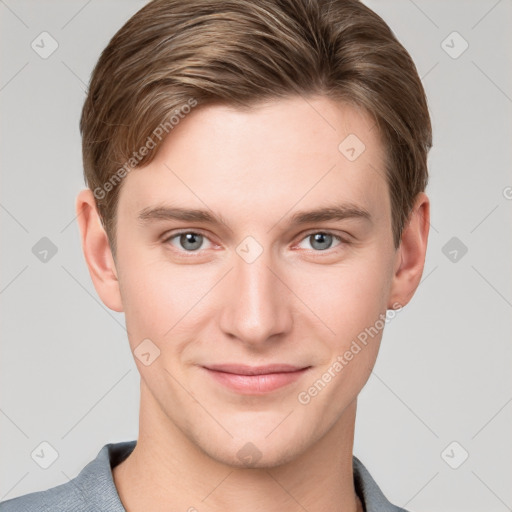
174,54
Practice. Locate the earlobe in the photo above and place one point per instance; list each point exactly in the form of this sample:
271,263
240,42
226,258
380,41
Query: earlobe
97,252
410,256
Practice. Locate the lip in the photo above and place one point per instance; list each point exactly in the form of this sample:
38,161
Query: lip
255,380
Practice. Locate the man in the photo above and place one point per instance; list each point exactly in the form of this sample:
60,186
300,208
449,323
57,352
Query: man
255,206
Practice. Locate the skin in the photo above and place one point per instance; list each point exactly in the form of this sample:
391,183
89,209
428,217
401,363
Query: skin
295,303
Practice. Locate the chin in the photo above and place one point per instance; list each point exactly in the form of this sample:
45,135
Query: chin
258,453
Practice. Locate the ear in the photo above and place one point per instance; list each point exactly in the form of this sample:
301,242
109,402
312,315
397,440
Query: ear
97,251
410,255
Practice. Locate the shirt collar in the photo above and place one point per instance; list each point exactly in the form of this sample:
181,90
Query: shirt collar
95,482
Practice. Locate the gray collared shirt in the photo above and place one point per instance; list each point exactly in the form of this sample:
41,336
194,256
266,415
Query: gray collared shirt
93,490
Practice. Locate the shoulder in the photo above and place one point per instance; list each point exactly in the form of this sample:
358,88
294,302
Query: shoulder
92,490
64,497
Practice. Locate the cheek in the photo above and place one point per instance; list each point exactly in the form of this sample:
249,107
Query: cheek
353,306
347,298
161,299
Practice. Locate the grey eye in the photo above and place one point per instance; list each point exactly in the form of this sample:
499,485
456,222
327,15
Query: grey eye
190,241
321,241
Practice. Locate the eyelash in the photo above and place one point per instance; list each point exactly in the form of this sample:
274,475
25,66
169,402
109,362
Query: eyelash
340,239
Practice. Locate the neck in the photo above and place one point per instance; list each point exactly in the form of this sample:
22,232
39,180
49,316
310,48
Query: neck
167,471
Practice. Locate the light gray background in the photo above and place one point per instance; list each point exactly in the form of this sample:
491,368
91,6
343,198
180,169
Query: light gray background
444,371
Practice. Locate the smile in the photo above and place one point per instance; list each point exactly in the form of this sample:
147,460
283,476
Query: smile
255,380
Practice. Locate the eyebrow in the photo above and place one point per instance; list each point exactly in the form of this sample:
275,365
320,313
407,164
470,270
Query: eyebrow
323,214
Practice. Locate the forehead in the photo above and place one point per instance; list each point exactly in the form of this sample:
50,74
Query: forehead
255,163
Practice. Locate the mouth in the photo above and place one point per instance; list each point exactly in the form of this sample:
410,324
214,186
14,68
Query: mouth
255,380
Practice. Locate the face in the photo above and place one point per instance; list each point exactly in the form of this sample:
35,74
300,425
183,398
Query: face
254,281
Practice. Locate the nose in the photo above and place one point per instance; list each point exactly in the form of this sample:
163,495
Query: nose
257,306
